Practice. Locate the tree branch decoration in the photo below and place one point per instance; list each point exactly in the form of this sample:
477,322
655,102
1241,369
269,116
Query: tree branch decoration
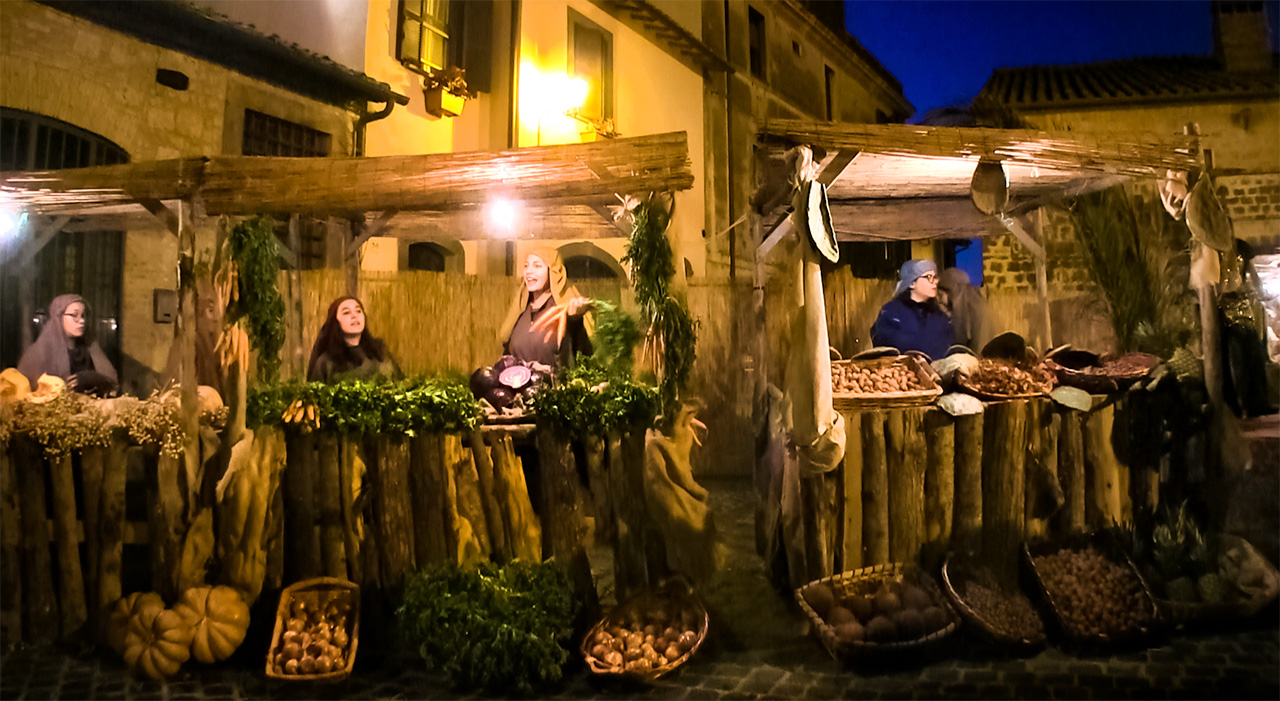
670,339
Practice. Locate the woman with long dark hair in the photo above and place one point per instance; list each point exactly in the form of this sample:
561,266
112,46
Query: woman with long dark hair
345,350
66,349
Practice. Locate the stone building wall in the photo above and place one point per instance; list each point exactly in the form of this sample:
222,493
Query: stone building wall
66,68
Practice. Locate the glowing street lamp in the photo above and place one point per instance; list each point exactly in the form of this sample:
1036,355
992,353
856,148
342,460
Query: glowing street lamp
550,98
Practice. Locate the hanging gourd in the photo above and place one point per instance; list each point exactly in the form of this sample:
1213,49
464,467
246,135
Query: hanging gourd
989,188
157,642
219,618
125,608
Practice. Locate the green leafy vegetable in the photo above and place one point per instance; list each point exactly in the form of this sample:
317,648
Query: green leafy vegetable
255,252
407,407
491,627
591,399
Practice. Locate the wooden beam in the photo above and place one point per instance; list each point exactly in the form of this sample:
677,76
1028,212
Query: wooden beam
42,234
910,219
1015,227
166,216
780,232
368,230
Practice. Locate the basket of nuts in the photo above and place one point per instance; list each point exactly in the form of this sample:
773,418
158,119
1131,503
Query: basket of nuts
896,381
317,629
996,610
1094,595
997,379
649,635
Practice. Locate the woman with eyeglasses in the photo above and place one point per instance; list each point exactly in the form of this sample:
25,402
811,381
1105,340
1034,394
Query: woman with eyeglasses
66,349
912,320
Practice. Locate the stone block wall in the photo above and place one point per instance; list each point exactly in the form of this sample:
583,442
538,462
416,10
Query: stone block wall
60,66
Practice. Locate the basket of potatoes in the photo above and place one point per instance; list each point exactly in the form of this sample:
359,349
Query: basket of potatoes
648,635
317,629
882,382
890,609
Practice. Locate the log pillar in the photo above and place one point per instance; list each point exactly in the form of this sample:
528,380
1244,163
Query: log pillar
333,548
906,457
426,492
851,495
939,485
875,490
10,550
1106,479
1004,455
303,553
41,604
966,534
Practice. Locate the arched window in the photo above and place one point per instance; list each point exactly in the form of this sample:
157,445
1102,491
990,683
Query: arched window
427,256
584,267
87,263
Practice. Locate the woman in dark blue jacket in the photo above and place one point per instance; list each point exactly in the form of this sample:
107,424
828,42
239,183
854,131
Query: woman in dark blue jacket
912,320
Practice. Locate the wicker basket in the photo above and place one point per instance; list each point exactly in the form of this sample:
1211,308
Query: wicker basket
853,401
865,581
677,595
966,383
1052,610
952,574
317,593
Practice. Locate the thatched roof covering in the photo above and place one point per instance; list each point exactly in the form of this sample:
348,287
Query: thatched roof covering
543,177
905,181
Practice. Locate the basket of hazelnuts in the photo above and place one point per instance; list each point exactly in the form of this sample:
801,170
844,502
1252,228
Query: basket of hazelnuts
317,629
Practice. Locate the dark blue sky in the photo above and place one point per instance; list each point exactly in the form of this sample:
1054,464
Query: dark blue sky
943,51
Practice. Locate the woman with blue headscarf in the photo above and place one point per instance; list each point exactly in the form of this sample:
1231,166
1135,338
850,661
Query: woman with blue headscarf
912,320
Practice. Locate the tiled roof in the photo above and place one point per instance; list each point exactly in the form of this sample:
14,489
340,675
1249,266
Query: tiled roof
202,33
1139,80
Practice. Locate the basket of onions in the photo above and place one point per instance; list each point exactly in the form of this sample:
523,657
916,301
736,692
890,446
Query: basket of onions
648,635
317,630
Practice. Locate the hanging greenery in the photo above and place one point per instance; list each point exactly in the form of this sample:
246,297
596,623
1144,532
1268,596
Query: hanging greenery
1131,258
670,345
257,298
408,407
617,335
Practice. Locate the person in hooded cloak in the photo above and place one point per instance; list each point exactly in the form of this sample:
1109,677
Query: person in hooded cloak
970,320
66,349
549,321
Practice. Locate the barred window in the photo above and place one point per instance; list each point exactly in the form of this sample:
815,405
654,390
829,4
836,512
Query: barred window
265,135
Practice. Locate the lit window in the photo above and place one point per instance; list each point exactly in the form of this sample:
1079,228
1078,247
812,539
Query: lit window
424,34
591,59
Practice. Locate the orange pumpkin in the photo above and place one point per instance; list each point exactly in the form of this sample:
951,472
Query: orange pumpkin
220,618
125,608
157,642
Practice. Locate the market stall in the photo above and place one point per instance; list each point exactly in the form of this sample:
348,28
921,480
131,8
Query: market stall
359,482
921,477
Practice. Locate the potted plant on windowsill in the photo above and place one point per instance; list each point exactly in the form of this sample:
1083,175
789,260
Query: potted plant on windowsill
446,91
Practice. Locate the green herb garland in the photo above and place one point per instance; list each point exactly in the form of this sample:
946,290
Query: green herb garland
491,627
256,255
357,406
589,400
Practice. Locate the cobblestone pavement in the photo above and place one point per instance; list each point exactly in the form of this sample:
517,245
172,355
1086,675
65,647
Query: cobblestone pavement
758,648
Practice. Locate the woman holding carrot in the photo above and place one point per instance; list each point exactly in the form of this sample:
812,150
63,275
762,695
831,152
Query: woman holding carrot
549,321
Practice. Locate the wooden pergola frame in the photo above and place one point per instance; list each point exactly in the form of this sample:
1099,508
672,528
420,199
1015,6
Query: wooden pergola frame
910,182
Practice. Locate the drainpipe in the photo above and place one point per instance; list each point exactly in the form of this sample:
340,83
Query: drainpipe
391,99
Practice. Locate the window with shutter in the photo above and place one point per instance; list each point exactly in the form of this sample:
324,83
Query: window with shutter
591,59
424,34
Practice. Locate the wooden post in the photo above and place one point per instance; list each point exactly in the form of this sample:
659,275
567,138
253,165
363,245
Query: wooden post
1042,465
1071,473
966,536
459,461
906,457
166,527
598,486
273,536
111,524
356,539
10,550
851,494
392,511
629,568
1102,470
91,466
303,561
460,531
333,537
426,489
565,529
483,460
939,485
70,577
523,527
819,557
875,490
41,603
1003,463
